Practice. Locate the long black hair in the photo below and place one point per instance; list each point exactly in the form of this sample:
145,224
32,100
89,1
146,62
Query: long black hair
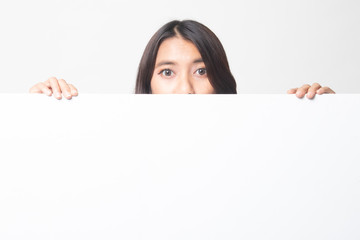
209,46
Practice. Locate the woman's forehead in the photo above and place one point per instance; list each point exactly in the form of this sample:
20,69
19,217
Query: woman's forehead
177,49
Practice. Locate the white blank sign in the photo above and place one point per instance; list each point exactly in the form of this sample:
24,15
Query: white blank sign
179,167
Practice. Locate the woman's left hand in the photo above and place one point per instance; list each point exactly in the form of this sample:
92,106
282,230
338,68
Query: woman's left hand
310,91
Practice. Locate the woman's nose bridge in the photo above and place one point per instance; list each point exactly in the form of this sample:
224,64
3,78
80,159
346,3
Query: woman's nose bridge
185,84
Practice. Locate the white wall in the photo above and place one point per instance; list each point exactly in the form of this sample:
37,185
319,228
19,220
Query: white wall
97,45
179,167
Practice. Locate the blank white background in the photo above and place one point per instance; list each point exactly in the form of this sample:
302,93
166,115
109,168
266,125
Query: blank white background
97,45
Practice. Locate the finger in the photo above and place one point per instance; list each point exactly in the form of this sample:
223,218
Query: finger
312,90
292,91
55,87
300,93
47,83
325,90
73,90
65,89
40,88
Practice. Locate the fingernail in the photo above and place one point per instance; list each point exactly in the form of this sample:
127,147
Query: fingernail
57,95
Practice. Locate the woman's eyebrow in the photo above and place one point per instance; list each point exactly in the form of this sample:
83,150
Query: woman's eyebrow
199,60
165,63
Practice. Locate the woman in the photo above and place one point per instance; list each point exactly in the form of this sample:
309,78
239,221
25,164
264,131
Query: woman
183,57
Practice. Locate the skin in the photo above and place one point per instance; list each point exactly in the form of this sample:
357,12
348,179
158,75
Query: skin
179,69
55,87
310,91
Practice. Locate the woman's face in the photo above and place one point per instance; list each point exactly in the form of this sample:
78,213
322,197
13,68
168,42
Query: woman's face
179,68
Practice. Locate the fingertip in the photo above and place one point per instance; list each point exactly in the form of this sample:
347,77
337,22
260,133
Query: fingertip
299,94
67,95
74,93
328,90
57,95
320,91
310,95
73,90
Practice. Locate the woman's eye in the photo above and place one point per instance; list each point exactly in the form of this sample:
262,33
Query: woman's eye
201,71
166,72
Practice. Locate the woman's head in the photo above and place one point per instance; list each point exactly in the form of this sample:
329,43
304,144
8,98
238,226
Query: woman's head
184,57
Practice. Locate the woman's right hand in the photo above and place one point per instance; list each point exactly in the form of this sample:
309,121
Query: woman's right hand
56,87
